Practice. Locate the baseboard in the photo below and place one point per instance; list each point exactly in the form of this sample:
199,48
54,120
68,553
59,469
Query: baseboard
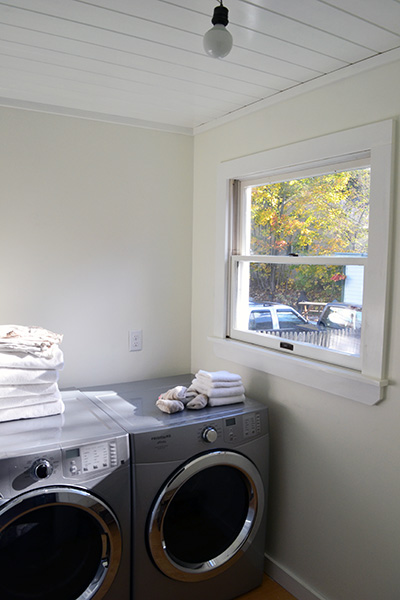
289,581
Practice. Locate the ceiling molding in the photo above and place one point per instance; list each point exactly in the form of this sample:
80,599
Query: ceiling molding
303,88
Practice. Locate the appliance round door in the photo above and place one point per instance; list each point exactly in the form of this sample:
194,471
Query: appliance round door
206,515
57,543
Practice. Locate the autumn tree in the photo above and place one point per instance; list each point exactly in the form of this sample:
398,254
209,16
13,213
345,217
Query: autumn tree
321,215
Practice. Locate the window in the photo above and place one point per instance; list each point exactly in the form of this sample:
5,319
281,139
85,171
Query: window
303,261
320,215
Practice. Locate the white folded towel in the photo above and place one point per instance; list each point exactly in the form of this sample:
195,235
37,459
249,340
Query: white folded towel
14,376
19,401
50,429
24,360
216,392
30,412
218,376
24,390
226,400
35,340
217,384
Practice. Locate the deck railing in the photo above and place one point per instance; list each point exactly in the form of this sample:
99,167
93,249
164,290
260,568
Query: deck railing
341,340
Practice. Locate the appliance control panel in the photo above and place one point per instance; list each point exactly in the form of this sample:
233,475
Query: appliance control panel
79,463
89,458
234,429
242,427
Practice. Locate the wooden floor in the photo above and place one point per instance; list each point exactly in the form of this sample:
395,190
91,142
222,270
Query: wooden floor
270,590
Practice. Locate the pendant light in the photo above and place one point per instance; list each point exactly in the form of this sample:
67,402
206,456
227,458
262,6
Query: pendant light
218,40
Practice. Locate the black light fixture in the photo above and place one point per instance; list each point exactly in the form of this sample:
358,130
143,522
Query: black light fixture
218,40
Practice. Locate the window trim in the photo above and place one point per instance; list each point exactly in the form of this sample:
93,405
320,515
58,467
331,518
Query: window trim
368,385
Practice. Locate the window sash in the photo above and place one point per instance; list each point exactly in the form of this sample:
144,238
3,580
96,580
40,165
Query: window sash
297,348
240,236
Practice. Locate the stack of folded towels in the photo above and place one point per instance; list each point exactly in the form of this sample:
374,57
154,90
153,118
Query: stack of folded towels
212,388
221,387
30,361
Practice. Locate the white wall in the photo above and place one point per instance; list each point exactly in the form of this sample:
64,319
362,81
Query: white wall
335,486
96,235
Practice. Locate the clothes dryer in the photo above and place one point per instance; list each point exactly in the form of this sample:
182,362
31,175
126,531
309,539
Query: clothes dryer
65,506
199,492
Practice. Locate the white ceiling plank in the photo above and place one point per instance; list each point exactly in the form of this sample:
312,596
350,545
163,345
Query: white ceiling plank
286,50
268,64
71,15
117,74
282,71
385,13
176,17
71,79
247,14
144,47
151,66
329,18
158,12
28,86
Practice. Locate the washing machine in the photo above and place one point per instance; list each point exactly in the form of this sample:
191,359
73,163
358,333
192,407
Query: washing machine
65,529
199,492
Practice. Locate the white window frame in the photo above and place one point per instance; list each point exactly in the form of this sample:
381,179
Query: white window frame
367,382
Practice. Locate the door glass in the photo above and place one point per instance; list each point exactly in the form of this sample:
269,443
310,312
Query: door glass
49,553
260,319
206,515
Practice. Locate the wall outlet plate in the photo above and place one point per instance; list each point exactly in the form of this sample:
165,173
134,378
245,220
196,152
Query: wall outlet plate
135,340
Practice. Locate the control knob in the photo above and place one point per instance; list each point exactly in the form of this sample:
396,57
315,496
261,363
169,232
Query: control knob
41,469
209,434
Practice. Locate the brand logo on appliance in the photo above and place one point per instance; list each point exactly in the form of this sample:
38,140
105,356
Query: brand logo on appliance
160,437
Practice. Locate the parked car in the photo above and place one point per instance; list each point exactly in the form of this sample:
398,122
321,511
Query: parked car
338,328
341,315
273,316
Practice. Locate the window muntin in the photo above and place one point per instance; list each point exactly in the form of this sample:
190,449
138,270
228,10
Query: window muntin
302,242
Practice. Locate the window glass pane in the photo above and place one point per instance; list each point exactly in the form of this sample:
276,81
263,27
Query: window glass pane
320,215
323,303
307,288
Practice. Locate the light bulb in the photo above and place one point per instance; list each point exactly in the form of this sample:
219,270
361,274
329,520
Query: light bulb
218,41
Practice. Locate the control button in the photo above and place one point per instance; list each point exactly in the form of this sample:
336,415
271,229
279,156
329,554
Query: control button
209,434
41,469
113,454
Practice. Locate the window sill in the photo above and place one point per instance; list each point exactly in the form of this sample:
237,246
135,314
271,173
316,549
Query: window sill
340,381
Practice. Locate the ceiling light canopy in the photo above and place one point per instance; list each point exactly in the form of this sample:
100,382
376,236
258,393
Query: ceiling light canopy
218,40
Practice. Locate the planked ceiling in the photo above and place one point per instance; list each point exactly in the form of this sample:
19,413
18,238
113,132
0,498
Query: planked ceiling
142,61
